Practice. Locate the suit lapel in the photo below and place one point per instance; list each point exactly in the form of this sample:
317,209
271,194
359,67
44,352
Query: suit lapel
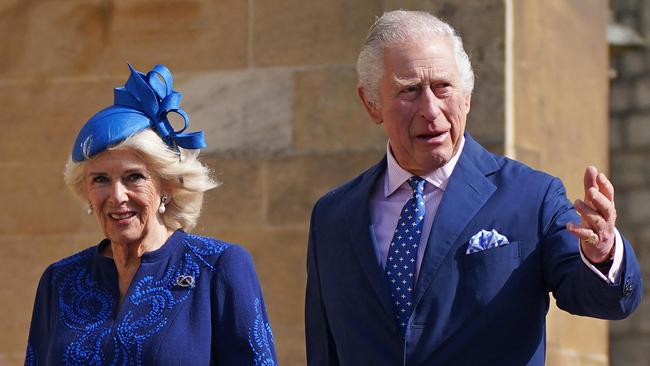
359,227
466,193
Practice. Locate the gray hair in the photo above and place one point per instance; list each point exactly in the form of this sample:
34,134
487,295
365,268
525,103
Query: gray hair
186,179
397,27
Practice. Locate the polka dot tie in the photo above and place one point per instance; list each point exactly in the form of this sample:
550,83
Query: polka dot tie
402,254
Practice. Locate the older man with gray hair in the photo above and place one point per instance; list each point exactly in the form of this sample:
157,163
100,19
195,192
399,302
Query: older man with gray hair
443,253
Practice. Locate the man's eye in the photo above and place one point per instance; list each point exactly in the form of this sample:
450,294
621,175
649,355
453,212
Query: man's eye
443,89
411,89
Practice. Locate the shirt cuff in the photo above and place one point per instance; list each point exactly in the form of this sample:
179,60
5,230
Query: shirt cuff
613,274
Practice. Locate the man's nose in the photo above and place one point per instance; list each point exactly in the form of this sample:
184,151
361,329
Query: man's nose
430,105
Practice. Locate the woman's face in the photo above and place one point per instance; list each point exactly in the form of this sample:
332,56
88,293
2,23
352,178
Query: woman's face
125,196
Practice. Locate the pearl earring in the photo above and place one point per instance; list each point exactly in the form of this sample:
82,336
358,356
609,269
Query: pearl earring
89,209
162,208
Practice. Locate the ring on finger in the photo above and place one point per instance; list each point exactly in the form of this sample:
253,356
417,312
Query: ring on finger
593,239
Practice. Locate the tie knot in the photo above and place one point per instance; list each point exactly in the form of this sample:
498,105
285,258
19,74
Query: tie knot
417,183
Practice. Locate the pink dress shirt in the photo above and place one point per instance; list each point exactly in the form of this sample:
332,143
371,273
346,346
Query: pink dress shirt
391,193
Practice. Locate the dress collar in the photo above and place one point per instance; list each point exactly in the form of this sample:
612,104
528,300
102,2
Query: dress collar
163,252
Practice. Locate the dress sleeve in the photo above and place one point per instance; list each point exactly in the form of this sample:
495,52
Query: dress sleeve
39,330
242,332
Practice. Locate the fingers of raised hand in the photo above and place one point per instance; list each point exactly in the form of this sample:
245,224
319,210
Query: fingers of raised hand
602,204
605,186
591,218
598,213
583,233
589,179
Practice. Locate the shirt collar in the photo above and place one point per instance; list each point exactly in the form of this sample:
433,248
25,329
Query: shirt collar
396,175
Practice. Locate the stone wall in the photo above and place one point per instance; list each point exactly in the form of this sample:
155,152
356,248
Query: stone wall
271,82
559,67
630,169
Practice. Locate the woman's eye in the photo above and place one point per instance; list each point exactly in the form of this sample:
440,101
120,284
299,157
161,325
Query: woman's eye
135,177
99,179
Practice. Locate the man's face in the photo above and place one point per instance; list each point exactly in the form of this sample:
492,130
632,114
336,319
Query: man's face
421,103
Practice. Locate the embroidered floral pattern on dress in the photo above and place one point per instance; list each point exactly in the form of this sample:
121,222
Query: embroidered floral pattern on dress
89,309
260,338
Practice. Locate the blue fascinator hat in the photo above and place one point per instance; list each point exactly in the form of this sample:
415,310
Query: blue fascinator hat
144,102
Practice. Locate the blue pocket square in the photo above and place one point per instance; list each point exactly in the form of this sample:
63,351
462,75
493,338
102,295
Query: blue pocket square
485,240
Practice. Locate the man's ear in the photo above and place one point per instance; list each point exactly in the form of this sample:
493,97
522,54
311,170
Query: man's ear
371,107
468,99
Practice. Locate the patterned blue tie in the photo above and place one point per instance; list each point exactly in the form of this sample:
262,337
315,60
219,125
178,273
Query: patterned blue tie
403,252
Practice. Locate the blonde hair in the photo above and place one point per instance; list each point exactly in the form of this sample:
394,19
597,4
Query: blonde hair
183,175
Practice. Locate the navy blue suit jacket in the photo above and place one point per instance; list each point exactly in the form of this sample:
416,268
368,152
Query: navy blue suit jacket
485,308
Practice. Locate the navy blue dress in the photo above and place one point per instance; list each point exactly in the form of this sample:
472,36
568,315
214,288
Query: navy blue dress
194,301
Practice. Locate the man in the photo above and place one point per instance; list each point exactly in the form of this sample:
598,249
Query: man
443,253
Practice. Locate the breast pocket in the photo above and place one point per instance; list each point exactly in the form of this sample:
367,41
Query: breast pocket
487,272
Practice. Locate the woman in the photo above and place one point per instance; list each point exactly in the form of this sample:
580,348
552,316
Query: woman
150,293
